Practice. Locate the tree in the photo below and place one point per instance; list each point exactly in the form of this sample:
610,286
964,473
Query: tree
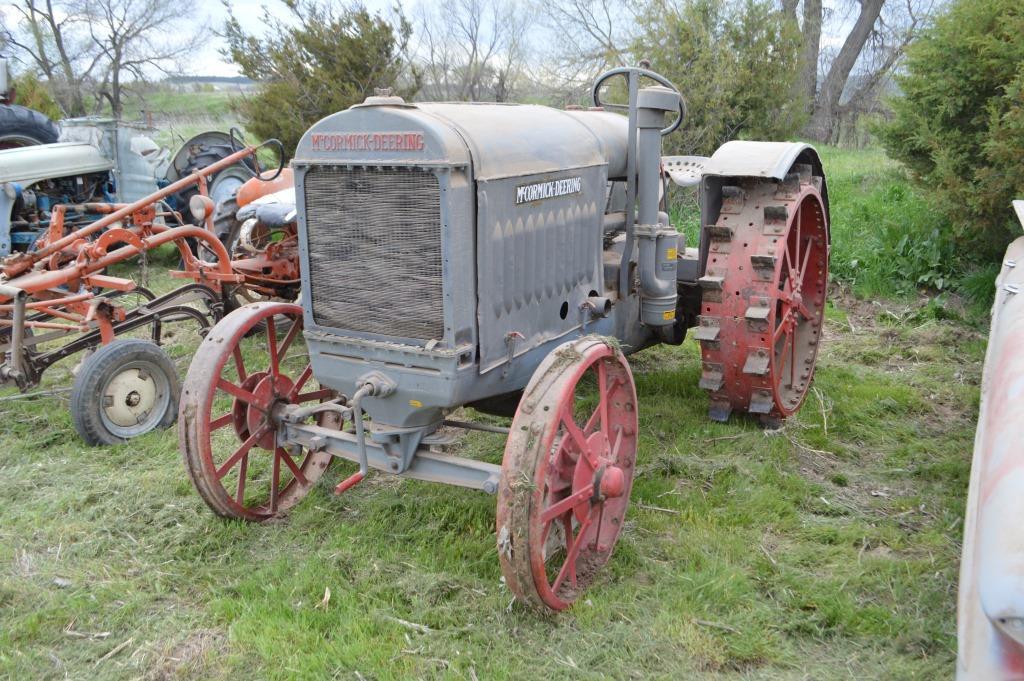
735,62
54,37
322,61
472,49
959,124
132,39
833,82
32,93
92,49
592,35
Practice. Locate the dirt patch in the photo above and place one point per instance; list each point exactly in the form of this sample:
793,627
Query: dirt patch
189,658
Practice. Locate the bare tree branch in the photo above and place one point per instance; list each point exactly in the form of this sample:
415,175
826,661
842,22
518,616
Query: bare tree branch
102,48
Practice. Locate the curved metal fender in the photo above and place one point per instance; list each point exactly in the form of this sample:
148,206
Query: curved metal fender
741,158
990,608
752,159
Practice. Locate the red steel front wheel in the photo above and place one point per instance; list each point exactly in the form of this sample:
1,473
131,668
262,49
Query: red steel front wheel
249,365
567,473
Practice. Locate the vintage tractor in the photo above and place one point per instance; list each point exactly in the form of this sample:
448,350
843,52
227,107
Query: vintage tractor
507,258
990,604
101,161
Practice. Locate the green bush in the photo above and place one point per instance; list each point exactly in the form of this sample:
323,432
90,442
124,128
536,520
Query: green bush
959,124
31,92
324,61
735,61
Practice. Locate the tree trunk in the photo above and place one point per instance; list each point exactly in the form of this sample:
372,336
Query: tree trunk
810,50
826,104
76,102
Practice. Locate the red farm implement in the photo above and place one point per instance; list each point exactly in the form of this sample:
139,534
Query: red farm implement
58,298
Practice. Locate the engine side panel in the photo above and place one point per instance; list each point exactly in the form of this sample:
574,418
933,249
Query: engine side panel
538,258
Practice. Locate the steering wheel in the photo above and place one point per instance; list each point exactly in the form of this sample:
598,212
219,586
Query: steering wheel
627,72
272,142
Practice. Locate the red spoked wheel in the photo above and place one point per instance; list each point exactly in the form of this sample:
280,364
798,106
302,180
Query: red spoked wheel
249,365
567,473
764,296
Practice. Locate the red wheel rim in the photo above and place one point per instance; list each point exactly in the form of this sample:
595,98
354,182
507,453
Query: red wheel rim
799,305
567,474
245,471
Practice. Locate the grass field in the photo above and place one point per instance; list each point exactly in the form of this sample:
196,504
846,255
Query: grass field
825,550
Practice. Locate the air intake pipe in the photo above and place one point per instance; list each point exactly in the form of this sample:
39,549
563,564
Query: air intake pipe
658,243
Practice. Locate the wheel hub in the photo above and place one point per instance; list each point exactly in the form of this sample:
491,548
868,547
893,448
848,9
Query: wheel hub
269,391
129,397
607,479
612,483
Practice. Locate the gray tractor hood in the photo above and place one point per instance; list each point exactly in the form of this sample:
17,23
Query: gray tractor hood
28,165
496,140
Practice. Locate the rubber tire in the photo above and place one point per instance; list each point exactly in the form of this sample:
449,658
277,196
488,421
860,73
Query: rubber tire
99,368
27,123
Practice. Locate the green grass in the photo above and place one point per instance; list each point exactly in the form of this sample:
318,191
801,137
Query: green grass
888,238
186,102
827,550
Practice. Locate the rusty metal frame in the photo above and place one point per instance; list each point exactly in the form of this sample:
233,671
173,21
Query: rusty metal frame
58,287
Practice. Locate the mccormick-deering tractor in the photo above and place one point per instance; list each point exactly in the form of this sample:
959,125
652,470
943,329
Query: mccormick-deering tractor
507,258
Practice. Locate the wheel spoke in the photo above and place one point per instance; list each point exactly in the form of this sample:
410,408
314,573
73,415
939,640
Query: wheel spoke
275,368
221,422
803,265
566,504
289,337
242,472
288,461
275,480
313,395
573,552
789,264
618,442
783,354
242,450
782,327
300,381
236,352
235,391
576,434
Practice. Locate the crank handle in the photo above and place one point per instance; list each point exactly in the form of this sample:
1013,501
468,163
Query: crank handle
365,390
349,482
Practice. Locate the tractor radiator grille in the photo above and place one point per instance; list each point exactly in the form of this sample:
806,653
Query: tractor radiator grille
375,250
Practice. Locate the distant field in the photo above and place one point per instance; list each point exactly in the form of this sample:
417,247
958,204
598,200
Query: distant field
826,550
180,114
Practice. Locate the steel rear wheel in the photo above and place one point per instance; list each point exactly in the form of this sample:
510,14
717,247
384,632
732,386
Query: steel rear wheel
227,430
567,473
764,296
